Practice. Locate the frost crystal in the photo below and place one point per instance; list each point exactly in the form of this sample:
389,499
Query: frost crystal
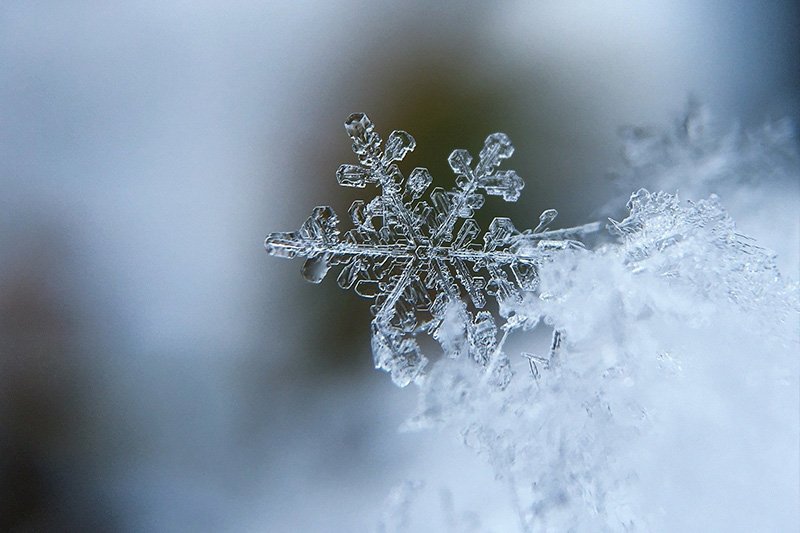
660,234
421,259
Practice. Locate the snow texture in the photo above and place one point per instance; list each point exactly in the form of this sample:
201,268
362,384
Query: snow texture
668,400
658,330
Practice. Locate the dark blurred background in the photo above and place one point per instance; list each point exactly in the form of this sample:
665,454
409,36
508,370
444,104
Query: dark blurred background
158,371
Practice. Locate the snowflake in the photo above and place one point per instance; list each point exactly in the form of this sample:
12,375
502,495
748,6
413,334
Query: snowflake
420,259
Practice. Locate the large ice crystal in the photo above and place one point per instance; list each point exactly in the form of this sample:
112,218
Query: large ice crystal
423,260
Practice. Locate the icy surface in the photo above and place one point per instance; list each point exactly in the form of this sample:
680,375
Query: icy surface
422,260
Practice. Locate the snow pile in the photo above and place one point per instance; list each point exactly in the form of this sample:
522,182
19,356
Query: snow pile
672,400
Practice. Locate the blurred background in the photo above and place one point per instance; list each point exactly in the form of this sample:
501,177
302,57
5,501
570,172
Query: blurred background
158,371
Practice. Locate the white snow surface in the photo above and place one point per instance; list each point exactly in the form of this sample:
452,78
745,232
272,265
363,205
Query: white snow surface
672,404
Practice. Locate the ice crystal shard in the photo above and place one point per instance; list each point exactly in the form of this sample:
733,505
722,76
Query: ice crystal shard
423,260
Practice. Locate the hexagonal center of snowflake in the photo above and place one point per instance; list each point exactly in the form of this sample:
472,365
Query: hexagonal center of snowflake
423,252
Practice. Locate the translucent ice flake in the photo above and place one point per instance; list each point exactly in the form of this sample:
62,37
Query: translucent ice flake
424,262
